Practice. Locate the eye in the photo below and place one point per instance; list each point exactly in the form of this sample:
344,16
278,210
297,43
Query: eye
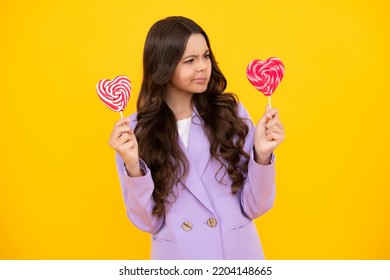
189,61
207,55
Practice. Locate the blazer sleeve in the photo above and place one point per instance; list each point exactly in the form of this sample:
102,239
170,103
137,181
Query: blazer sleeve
137,194
258,192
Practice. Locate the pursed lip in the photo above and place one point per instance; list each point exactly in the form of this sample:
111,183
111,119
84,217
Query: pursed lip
200,80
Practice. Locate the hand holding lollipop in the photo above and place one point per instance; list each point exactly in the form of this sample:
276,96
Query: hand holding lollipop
115,94
265,75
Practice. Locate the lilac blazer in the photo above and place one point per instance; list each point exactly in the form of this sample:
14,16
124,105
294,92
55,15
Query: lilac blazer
206,221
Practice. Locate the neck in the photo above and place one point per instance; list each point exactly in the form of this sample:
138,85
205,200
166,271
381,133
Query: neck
180,104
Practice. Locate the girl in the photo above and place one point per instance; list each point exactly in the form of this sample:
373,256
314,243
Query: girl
194,170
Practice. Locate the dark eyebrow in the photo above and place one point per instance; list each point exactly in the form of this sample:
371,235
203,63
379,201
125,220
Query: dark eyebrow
193,55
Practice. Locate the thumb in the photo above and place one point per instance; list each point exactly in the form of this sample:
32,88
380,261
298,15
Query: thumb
266,116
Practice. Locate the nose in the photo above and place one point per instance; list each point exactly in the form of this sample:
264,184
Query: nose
202,66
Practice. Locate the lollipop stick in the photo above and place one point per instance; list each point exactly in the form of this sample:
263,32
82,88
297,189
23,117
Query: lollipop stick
121,114
270,105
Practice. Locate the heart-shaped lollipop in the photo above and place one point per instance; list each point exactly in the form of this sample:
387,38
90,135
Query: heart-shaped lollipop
116,93
265,75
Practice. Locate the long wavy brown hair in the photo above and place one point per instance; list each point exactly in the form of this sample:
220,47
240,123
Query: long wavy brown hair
156,130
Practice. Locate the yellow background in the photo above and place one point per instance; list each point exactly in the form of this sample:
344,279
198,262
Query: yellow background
59,192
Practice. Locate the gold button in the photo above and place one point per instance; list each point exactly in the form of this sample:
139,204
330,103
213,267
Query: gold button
187,226
211,222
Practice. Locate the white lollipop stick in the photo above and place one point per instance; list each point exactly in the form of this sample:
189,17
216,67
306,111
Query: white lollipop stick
269,101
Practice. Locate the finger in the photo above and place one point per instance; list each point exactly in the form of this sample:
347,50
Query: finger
124,143
128,146
272,121
125,137
123,129
268,115
116,135
278,126
264,119
271,113
118,131
121,122
275,136
119,140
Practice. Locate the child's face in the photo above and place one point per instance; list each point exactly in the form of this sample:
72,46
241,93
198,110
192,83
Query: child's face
193,71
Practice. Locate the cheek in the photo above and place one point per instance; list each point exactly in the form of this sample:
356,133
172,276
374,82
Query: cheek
181,78
177,77
185,75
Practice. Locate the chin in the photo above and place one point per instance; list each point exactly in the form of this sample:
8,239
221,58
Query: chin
200,90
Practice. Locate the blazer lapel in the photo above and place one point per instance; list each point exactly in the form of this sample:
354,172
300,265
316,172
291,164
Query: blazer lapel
198,144
198,154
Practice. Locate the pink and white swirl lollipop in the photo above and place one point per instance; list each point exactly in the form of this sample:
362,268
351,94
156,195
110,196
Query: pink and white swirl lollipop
265,75
115,94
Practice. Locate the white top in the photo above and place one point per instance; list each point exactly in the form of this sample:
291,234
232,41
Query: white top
183,127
